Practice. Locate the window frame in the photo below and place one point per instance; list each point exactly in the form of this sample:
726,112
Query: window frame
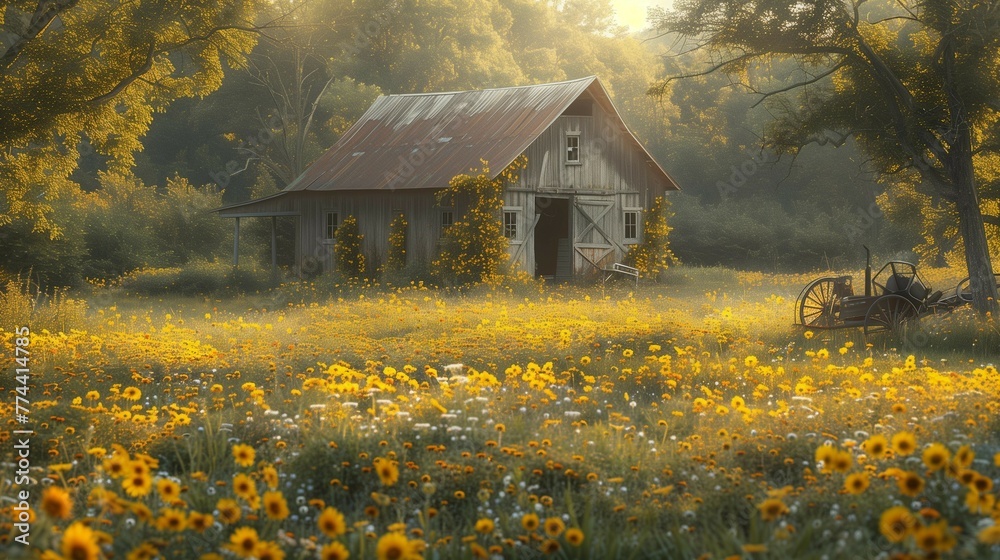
637,212
575,135
450,212
328,236
515,212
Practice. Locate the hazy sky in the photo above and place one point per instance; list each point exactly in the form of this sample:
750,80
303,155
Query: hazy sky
633,12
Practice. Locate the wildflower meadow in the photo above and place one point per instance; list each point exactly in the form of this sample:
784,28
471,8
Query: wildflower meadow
689,419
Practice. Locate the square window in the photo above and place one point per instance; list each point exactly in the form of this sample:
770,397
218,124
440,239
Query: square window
510,225
447,218
631,225
573,148
332,223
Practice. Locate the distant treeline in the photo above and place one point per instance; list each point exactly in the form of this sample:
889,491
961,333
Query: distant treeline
306,81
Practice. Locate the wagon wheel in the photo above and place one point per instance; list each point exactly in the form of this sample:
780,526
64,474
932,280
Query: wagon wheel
889,314
817,301
964,289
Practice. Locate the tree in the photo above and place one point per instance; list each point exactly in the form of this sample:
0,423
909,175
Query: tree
432,45
913,81
97,71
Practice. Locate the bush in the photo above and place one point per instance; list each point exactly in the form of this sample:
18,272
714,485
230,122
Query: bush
46,260
197,278
347,249
760,233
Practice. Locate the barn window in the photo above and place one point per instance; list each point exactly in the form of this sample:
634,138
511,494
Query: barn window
447,218
631,225
572,148
510,225
332,223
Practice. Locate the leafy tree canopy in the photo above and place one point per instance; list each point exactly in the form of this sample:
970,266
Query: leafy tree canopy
914,82
97,71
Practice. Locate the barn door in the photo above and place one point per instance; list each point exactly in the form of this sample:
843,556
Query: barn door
594,241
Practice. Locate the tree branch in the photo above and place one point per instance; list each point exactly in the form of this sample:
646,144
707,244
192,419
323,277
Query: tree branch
45,12
813,80
153,51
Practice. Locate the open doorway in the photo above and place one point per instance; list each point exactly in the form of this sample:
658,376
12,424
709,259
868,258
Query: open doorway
552,243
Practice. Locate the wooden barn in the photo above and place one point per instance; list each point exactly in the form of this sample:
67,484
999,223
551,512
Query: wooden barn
576,209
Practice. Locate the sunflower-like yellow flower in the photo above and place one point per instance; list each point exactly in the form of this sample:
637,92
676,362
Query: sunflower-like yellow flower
897,523
392,546
243,454
936,457
275,505
553,526
772,508
856,483
387,471
79,542
56,502
244,541
904,443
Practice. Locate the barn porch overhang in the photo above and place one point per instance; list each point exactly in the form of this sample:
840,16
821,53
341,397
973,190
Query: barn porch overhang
250,209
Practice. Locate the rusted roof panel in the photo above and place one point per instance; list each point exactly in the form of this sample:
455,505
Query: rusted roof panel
416,141
421,141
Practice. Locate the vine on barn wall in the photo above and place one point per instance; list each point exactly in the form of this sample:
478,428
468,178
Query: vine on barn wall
652,256
396,260
474,249
347,249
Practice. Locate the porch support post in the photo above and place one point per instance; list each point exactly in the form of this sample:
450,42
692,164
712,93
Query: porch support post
274,243
236,244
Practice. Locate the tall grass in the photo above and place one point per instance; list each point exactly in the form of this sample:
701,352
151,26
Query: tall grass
23,303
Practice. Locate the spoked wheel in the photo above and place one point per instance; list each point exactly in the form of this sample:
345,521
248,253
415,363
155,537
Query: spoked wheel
817,304
889,314
964,289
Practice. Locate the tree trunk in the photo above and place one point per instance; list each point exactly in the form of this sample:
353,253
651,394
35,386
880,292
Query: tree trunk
973,229
963,175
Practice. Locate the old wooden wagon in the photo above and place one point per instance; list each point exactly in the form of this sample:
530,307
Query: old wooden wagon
575,211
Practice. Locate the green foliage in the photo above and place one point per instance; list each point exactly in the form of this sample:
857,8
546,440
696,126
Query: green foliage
473,248
652,256
98,76
347,249
396,260
121,226
33,253
130,225
197,278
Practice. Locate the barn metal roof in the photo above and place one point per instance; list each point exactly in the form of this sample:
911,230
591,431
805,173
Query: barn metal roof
421,141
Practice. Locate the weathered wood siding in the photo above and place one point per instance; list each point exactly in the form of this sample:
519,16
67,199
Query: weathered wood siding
373,210
611,178
608,160
522,248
